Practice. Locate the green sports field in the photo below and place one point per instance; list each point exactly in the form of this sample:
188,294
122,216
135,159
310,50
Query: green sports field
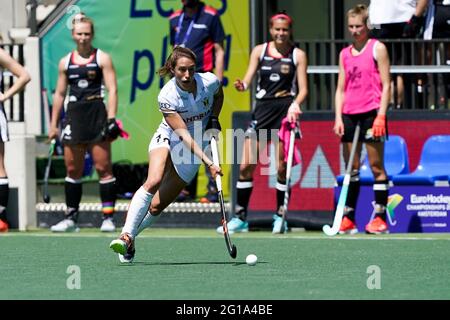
194,264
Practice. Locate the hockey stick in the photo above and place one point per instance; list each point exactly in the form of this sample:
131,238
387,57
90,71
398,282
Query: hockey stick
46,195
288,174
46,110
215,155
331,231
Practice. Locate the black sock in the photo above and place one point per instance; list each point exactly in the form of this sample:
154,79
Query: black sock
281,190
244,190
381,190
4,195
73,190
353,190
108,197
349,212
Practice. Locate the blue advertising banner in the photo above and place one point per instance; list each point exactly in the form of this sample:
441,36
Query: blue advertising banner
410,208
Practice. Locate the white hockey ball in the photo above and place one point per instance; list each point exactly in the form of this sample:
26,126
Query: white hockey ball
251,259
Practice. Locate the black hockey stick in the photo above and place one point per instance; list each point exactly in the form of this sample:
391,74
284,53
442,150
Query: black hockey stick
46,195
215,155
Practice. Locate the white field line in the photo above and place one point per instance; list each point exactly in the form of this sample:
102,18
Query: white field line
268,237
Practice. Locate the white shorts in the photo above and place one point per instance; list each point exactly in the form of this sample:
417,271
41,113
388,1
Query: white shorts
185,162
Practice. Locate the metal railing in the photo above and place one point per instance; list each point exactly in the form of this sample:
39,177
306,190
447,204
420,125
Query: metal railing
423,65
14,106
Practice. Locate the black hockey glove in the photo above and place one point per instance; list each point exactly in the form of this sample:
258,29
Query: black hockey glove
112,130
412,27
213,123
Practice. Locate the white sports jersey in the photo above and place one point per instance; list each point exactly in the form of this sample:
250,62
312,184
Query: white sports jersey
194,112
391,11
173,99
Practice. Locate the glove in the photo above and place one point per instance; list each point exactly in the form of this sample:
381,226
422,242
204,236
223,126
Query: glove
379,126
412,27
112,129
213,123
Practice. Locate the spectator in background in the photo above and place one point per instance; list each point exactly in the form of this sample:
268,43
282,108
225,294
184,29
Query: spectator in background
399,19
198,27
362,97
438,27
282,88
7,63
88,124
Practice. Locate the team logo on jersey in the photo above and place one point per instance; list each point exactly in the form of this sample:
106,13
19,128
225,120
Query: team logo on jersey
274,77
200,26
206,102
91,74
165,107
354,74
83,84
285,68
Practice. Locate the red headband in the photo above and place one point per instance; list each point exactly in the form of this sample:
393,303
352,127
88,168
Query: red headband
282,16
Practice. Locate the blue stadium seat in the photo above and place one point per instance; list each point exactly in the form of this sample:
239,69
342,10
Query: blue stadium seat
396,161
434,164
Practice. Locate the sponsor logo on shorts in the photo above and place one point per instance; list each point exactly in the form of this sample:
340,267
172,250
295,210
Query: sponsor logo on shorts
67,133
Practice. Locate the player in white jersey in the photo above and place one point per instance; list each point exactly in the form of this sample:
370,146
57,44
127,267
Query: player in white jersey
7,63
190,103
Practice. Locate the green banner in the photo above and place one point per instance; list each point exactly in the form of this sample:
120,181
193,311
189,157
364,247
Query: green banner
136,35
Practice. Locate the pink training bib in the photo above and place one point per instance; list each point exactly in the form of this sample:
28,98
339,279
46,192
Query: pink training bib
362,89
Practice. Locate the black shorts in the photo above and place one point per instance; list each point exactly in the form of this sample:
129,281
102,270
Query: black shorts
84,122
366,122
268,115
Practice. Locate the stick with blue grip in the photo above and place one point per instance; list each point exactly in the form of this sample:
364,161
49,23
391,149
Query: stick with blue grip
331,231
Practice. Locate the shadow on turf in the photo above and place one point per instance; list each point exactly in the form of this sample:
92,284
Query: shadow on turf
183,263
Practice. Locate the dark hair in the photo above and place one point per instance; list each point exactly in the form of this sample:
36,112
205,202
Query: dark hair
82,18
359,10
280,15
171,62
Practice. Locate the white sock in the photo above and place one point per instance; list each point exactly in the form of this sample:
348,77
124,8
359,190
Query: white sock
136,212
149,219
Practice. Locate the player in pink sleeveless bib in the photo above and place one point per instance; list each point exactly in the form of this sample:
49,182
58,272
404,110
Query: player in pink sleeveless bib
362,96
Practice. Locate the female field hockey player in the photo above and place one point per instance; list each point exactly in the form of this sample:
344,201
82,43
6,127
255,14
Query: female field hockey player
190,103
282,88
362,96
7,63
88,124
